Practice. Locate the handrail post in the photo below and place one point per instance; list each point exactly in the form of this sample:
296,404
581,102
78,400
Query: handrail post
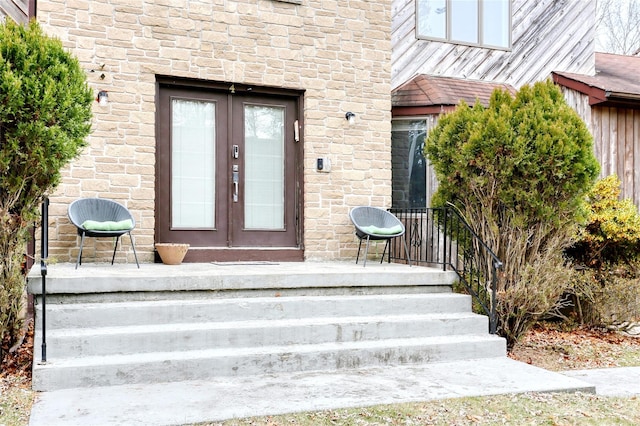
44,249
445,213
493,318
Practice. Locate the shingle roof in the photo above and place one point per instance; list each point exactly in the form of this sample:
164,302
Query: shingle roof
427,90
617,80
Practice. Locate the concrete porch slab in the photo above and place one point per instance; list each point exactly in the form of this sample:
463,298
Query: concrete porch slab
227,398
63,278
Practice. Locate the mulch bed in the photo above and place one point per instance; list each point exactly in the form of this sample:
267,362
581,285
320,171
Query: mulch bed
18,363
550,346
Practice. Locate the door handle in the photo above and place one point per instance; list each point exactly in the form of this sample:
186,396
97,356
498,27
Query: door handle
236,185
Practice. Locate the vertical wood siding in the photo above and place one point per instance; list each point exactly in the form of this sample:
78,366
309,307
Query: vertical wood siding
548,35
616,140
616,133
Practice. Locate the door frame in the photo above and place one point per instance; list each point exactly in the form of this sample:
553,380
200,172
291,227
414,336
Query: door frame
229,254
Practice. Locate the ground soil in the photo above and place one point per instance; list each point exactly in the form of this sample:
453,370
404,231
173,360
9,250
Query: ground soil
16,365
554,347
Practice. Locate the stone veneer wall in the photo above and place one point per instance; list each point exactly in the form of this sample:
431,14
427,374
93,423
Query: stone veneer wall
338,51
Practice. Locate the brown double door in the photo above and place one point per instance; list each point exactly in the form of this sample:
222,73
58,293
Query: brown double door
228,173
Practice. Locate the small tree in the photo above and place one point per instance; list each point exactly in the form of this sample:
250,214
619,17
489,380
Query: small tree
518,171
45,116
606,291
612,230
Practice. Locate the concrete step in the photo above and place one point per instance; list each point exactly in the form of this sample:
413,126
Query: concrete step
80,342
91,315
117,325
175,366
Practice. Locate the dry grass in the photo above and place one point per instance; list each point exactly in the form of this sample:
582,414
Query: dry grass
523,409
16,398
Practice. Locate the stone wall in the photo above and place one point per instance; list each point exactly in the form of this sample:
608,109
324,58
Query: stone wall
338,52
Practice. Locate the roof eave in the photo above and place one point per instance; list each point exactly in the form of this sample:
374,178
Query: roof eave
623,96
420,110
596,94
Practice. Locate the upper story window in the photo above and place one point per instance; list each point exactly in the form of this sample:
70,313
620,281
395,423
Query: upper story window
485,23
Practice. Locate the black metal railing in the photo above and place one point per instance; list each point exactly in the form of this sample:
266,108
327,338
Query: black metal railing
44,250
441,237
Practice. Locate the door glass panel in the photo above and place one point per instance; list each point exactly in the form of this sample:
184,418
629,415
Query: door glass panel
193,164
264,167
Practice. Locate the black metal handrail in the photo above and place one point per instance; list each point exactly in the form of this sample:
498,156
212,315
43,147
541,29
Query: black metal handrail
44,250
441,236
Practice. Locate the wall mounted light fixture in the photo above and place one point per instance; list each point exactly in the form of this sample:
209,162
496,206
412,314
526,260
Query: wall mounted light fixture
351,118
103,97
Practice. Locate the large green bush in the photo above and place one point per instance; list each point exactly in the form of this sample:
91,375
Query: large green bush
518,171
45,116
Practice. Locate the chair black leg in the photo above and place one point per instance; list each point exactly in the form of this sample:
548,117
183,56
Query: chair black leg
406,248
366,252
386,245
134,249
358,255
79,261
114,250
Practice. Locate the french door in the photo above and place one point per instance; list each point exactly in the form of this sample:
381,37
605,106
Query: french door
228,174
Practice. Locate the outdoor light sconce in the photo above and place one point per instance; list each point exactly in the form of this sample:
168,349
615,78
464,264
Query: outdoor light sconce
103,98
351,118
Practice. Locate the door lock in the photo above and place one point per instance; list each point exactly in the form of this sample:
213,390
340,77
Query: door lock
236,151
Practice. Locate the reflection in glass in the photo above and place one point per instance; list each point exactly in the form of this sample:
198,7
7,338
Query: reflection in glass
495,11
464,21
192,164
409,166
432,18
474,22
264,167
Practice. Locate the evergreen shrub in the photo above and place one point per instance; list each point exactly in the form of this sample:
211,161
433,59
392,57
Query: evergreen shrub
45,116
518,171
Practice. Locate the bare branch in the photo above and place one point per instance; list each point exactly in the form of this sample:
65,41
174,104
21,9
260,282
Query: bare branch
618,26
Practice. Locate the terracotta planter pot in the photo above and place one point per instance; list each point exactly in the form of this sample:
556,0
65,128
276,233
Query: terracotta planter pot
172,253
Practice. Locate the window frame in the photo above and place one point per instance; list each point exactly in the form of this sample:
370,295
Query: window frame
407,185
480,19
